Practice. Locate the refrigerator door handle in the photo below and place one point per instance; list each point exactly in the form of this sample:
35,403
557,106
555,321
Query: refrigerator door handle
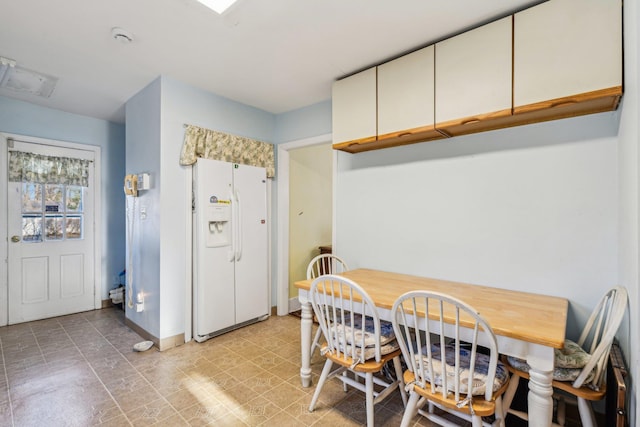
239,227
232,251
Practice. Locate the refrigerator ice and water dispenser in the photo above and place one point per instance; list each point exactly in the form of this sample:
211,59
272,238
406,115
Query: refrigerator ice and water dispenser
218,225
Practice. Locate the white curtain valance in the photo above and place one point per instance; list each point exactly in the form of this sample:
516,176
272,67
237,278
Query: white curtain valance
30,167
211,144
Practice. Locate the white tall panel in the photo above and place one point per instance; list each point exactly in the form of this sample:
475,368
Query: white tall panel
251,287
475,67
71,275
566,47
214,298
35,280
354,107
406,92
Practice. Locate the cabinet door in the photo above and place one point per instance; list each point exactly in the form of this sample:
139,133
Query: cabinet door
406,95
563,48
354,108
473,77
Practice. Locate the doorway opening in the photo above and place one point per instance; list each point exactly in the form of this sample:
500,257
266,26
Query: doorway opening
285,151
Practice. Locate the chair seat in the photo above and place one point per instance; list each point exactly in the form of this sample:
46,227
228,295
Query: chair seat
369,352
386,331
559,374
481,407
345,335
369,365
584,392
481,367
571,355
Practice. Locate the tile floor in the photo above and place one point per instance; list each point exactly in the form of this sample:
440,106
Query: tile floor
80,370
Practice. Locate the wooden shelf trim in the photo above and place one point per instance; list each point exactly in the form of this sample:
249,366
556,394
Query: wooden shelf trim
612,93
572,106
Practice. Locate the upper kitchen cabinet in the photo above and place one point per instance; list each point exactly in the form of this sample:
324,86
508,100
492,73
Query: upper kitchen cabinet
354,110
406,99
473,79
557,59
567,59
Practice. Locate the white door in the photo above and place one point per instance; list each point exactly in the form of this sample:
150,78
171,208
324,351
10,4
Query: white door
214,300
251,275
51,243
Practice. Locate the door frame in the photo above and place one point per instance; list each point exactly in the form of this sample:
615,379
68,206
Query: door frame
4,226
283,213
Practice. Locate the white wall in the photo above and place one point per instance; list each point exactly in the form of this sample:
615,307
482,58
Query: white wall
628,161
531,208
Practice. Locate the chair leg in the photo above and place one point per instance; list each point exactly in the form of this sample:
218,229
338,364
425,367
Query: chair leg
507,397
586,413
500,413
476,421
398,367
369,393
561,411
316,341
410,410
323,377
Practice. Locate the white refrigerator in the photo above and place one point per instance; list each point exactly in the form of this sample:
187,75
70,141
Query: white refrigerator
230,256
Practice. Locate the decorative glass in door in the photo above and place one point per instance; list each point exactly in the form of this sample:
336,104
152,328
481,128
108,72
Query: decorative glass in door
52,212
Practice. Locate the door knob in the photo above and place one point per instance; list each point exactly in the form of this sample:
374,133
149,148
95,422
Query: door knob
15,239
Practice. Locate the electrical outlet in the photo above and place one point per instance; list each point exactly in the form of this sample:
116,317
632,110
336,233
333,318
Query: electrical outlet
140,302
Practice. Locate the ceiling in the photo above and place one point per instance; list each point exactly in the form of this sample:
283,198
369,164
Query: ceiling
276,55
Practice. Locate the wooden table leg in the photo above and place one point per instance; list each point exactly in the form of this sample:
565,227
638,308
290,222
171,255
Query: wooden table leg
540,390
305,343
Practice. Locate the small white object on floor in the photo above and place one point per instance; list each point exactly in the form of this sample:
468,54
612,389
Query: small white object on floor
143,346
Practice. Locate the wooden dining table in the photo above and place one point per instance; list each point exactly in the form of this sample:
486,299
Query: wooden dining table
527,325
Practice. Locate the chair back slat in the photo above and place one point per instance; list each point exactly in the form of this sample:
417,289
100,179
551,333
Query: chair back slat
429,327
324,264
598,334
344,310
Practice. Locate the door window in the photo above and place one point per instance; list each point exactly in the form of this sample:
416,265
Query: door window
52,212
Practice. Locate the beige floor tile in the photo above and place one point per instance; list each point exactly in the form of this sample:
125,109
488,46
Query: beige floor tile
282,419
151,413
186,398
335,418
246,370
300,410
209,412
263,383
82,368
256,411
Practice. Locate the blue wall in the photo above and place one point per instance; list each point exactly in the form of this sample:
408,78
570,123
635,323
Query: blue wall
306,122
23,118
180,103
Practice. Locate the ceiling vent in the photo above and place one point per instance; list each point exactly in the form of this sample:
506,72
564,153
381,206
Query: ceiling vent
18,79
121,35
